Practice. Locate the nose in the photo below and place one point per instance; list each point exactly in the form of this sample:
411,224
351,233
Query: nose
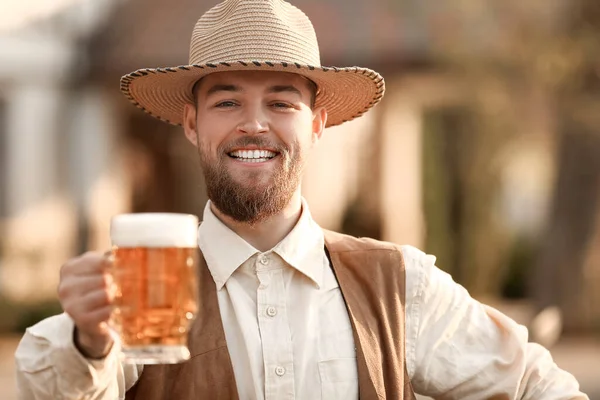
254,122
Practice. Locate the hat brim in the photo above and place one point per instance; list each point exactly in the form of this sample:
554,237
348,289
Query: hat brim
346,93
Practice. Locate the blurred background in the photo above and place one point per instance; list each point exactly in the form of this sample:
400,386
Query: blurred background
485,150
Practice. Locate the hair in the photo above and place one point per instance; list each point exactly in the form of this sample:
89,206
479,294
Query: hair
312,87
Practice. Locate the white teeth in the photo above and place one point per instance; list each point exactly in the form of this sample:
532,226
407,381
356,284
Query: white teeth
253,154
255,160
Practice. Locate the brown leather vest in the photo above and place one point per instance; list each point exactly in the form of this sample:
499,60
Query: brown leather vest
371,276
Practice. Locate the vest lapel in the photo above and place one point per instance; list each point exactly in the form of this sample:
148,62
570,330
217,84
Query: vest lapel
207,344
372,282
207,333
367,389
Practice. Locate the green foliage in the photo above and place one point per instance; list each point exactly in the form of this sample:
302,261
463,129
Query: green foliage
439,202
16,317
520,260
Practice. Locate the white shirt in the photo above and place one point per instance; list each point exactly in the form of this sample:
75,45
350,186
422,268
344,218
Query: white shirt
289,334
287,329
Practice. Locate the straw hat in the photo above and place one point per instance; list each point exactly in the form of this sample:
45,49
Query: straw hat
263,35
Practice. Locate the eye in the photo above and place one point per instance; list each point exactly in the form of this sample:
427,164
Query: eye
279,104
226,104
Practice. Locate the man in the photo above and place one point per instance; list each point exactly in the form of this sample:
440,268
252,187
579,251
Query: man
302,313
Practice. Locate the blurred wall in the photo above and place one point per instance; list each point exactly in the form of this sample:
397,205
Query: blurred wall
56,150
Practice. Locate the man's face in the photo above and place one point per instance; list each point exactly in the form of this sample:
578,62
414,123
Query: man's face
253,131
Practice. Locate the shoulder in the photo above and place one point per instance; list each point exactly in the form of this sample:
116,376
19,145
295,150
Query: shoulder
416,262
339,242
417,258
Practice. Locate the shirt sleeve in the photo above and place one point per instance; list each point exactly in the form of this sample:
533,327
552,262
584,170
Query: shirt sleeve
458,348
49,366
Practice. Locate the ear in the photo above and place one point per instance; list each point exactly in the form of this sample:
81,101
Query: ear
189,124
319,122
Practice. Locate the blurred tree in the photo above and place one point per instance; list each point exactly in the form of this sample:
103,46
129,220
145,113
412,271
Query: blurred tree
461,180
462,148
504,51
567,271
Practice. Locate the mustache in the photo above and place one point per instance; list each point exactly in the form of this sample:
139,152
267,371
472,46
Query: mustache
258,141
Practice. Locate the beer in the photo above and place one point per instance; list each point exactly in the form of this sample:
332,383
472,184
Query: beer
154,270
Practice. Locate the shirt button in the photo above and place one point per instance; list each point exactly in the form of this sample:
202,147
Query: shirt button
271,311
280,371
263,260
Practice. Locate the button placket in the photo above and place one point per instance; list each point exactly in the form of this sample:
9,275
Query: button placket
275,332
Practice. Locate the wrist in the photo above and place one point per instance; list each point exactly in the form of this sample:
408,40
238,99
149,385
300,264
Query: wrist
92,348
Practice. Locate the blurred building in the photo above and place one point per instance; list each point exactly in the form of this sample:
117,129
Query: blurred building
73,151
44,185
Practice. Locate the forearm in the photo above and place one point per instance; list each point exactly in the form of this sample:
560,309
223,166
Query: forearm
543,379
458,348
50,367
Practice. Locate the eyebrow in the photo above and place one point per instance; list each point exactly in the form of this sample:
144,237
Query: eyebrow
223,88
284,88
233,88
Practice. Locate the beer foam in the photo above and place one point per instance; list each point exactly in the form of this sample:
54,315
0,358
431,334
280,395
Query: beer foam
154,230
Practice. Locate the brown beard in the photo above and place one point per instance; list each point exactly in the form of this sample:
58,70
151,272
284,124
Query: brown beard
249,203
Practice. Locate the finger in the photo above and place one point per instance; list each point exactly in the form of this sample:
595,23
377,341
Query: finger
78,286
87,283
109,255
80,308
96,300
95,322
89,264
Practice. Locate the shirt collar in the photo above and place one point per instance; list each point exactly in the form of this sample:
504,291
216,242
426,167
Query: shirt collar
303,248
225,251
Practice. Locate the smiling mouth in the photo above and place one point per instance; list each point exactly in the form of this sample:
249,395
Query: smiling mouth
252,156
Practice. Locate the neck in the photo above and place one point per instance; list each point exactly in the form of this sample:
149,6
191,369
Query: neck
267,234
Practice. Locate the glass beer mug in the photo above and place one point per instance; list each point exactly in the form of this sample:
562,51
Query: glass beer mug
154,269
